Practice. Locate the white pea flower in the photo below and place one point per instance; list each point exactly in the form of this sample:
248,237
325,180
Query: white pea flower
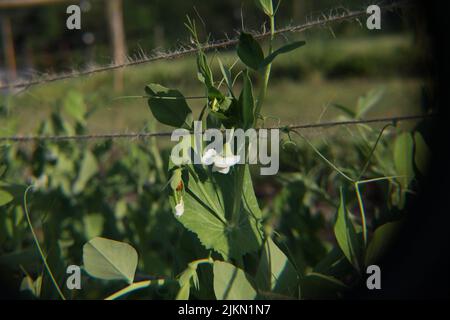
179,208
209,156
220,164
223,164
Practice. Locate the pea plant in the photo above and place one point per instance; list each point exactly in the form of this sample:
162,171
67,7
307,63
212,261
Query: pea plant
228,244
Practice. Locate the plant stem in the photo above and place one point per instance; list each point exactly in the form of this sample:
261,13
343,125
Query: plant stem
362,212
372,151
380,179
195,263
36,241
262,93
134,287
331,164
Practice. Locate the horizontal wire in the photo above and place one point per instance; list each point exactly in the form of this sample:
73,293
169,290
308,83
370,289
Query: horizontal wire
320,22
144,135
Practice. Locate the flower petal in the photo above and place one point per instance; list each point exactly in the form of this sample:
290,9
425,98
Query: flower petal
209,156
224,170
179,209
222,162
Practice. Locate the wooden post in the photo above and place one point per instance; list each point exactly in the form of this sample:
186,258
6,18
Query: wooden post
115,20
8,47
8,4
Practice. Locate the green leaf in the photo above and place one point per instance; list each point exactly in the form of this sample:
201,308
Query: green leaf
249,51
367,102
110,260
185,282
266,6
275,272
247,102
421,154
183,293
74,106
32,286
344,109
346,236
285,49
89,167
169,106
403,158
249,197
381,240
207,207
93,225
204,73
5,197
231,283
226,73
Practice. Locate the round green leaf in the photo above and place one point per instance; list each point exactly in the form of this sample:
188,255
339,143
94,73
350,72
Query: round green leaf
110,260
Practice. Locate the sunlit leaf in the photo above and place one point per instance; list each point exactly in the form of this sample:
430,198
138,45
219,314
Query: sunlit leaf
231,283
109,259
207,206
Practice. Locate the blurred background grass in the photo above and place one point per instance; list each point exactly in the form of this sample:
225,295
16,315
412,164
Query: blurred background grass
303,86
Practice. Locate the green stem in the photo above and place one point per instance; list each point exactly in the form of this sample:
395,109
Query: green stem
380,179
36,241
263,92
195,263
134,287
331,164
362,212
372,151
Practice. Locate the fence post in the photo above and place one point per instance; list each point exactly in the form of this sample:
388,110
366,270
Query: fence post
117,34
8,47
